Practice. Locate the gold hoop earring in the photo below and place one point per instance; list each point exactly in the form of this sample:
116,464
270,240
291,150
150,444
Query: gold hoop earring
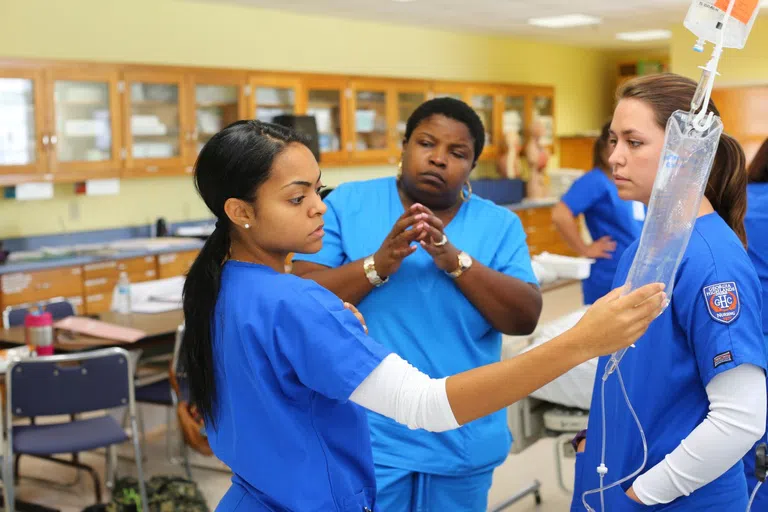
399,169
466,195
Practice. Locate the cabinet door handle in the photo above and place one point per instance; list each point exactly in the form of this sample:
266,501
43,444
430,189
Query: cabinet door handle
46,140
54,139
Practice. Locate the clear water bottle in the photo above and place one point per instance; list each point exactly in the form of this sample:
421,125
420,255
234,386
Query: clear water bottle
705,20
122,295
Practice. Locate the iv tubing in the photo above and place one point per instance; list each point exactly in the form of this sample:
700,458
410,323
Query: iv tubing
639,470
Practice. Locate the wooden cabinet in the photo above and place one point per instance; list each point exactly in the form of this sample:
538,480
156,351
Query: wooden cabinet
272,95
326,98
69,121
215,101
100,279
541,233
40,285
156,124
577,152
24,140
487,102
89,288
175,263
373,110
84,120
744,112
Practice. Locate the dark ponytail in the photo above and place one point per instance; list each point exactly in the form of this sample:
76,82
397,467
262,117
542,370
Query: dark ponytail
727,186
233,164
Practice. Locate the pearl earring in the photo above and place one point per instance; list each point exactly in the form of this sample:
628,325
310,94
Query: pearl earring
247,226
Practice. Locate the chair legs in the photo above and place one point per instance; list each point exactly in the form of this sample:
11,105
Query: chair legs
74,464
138,455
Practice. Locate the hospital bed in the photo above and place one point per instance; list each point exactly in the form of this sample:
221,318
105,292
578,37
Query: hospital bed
558,410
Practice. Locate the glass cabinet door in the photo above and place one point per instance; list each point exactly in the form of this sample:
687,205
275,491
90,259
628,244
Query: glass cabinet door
407,102
216,106
84,124
483,105
371,123
274,101
156,121
21,123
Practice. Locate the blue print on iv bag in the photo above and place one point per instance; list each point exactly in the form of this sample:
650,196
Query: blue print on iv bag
678,189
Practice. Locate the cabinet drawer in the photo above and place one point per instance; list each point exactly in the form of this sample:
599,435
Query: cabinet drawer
103,276
175,263
145,266
96,303
24,287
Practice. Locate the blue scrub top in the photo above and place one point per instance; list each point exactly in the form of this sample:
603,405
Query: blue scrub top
287,357
712,325
595,195
422,315
756,224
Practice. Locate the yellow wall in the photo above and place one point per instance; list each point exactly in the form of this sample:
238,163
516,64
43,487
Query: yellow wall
737,67
217,34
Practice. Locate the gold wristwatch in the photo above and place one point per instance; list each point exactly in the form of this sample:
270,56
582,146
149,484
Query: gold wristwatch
370,272
465,261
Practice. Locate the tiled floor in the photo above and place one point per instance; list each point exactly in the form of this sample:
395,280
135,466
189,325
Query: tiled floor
536,462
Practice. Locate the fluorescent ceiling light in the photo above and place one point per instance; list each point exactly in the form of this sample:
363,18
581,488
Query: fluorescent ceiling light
764,3
569,20
644,35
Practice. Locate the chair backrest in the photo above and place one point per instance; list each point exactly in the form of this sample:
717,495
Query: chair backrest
59,308
70,384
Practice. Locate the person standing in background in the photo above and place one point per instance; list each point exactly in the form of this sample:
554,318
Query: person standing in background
613,223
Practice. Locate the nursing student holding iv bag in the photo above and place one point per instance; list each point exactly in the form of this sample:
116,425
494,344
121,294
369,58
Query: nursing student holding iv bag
686,377
281,370
613,223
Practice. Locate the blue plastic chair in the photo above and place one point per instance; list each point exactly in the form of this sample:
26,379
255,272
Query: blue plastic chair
59,308
70,385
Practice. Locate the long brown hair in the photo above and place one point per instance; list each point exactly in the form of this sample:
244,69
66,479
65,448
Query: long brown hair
758,169
727,186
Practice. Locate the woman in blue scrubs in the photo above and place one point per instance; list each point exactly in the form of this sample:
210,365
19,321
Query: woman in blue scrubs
443,312
756,224
686,376
280,368
613,223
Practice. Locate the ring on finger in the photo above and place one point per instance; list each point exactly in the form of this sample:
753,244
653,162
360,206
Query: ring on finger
442,241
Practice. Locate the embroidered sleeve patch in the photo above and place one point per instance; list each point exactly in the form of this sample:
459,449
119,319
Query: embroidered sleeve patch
723,358
723,302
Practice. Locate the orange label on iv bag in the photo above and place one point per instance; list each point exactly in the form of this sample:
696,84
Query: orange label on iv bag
742,9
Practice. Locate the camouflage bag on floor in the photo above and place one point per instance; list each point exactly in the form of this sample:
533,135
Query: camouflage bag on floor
165,494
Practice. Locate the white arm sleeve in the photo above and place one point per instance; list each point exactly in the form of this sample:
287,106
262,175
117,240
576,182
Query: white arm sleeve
736,421
399,391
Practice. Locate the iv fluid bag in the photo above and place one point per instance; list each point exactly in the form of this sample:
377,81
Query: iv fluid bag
684,168
704,17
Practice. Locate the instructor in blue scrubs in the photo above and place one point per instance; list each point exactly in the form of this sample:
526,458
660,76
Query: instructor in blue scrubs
612,222
756,224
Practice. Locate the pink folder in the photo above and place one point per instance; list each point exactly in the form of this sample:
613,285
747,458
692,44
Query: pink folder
98,329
